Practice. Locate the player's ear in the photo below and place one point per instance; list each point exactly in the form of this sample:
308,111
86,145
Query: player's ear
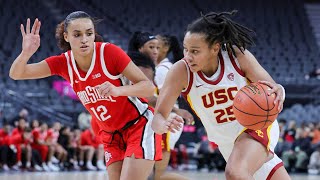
65,36
215,48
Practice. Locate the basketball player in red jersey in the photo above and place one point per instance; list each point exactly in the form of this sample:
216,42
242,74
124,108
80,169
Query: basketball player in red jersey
108,84
216,65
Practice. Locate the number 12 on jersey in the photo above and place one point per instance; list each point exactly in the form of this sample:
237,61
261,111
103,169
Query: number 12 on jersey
101,113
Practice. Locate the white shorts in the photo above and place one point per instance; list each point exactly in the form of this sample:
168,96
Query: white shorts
268,137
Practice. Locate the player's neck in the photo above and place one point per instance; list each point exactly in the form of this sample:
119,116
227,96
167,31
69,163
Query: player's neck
160,58
84,62
211,67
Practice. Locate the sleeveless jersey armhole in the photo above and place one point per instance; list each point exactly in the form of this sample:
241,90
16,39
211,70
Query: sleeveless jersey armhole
103,64
190,80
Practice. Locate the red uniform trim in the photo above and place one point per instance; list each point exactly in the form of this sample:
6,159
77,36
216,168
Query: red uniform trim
190,81
236,67
263,137
274,169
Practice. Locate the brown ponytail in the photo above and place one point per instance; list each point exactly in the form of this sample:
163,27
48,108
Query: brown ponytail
61,42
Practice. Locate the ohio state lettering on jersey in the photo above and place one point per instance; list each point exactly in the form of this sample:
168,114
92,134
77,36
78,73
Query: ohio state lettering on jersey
211,98
91,95
107,64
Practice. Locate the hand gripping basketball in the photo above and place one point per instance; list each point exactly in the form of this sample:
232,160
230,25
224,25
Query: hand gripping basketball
254,108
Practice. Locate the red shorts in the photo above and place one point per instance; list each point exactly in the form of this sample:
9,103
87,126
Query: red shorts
138,140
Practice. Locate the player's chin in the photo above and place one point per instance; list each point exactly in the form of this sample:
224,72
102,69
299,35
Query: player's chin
84,51
194,68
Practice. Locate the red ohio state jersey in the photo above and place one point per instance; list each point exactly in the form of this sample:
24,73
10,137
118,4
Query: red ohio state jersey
108,62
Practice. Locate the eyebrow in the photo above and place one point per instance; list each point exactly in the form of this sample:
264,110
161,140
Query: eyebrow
90,29
193,47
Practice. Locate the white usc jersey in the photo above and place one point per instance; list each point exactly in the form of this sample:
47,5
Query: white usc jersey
211,98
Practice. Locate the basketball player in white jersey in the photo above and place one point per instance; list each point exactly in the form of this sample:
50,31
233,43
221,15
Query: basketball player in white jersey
215,67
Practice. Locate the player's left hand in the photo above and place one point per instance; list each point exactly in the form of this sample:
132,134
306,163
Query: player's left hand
278,90
108,89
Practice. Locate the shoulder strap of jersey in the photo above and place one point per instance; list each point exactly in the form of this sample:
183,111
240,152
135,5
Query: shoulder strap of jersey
235,64
103,63
66,54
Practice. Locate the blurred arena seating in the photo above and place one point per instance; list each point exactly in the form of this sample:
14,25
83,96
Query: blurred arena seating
286,44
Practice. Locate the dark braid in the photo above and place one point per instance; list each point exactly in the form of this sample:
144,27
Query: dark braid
142,60
174,46
218,28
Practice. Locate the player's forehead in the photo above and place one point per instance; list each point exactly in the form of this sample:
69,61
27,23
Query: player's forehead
80,24
194,40
152,42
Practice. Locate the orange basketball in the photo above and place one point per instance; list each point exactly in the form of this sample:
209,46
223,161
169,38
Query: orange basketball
253,108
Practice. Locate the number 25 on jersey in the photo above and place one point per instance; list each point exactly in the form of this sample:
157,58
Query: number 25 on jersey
217,97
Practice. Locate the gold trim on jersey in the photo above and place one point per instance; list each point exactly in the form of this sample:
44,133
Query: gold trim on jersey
268,133
240,133
191,105
168,141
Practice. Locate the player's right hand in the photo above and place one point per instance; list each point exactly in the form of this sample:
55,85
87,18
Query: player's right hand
30,38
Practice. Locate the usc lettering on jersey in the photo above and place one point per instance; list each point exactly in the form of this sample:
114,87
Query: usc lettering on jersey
211,98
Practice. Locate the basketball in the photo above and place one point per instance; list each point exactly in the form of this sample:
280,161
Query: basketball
253,108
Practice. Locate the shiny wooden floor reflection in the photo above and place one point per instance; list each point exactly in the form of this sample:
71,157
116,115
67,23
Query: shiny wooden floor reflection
103,176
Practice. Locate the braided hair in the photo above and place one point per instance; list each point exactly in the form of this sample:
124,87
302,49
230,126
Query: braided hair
219,28
173,43
142,60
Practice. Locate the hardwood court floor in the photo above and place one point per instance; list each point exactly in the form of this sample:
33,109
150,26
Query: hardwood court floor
95,175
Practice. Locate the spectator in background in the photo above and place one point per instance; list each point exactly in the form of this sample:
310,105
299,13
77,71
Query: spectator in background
35,124
24,113
7,155
313,74
24,146
84,120
40,144
296,158
21,141
316,136
75,144
314,163
281,144
88,138
64,139
56,148
290,133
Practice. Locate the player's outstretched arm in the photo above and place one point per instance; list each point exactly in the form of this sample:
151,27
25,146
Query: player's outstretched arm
176,80
30,44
